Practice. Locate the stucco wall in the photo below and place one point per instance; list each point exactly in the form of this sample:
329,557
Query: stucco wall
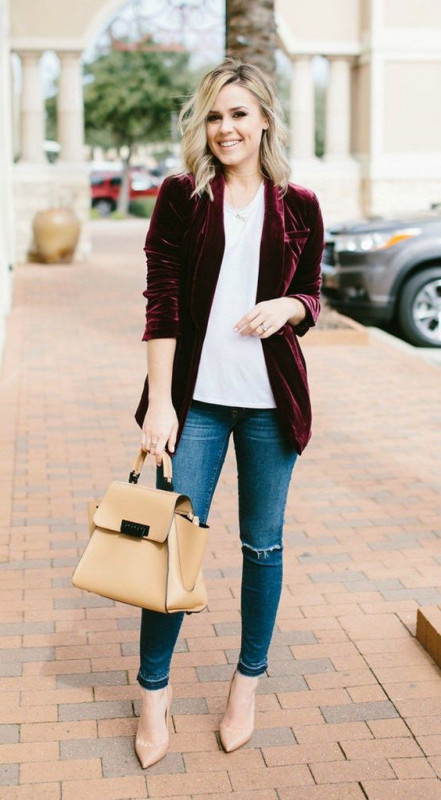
412,14
365,16
361,81
319,20
412,122
50,19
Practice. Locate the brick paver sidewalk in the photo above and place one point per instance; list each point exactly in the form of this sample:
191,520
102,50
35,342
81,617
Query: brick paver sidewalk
351,705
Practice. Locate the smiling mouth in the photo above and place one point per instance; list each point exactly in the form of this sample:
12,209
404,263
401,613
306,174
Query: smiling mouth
226,145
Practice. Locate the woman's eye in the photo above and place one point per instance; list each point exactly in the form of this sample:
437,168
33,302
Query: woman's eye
216,117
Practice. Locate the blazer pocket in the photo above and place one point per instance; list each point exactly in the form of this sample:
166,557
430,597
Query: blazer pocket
297,234
296,241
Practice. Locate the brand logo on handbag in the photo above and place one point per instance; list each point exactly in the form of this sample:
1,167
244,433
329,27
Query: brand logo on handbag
134,529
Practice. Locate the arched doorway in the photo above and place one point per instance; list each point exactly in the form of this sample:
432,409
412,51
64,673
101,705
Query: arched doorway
68,30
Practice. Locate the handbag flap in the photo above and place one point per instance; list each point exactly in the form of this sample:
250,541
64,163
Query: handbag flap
139,511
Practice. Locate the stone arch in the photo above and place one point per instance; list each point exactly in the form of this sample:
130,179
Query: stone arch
102,16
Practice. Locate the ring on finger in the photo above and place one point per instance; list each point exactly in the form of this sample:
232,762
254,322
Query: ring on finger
264,327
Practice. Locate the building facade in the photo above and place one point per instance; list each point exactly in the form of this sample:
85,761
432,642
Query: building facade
382,142
383,123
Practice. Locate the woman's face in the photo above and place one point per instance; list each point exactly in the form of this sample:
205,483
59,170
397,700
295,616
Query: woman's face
234,129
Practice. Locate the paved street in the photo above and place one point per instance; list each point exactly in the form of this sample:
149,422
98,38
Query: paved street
351,706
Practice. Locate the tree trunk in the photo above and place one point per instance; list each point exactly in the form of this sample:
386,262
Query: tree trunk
251,33
124,192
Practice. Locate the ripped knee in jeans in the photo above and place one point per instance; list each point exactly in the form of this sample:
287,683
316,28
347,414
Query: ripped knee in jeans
262,552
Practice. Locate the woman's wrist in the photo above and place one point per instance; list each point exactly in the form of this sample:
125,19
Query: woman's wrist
159,398
295,310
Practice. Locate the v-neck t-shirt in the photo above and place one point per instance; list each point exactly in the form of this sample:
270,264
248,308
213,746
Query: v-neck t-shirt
232,369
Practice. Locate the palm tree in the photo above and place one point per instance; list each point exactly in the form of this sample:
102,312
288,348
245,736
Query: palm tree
251,32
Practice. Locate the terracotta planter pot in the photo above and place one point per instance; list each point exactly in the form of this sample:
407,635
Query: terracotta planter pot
56,232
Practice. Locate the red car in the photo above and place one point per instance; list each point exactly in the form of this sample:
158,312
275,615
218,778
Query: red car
105,187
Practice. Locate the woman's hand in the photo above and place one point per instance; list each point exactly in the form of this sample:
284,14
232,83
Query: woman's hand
160,429
269,316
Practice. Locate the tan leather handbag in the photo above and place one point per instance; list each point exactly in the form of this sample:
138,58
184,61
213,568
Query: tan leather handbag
146,547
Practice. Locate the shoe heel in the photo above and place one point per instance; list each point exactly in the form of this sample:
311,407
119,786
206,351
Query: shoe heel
233,738
150,753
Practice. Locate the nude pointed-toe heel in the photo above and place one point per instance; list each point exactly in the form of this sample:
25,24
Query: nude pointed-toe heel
233,737
148,751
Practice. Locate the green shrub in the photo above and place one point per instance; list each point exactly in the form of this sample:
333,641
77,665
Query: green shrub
143,207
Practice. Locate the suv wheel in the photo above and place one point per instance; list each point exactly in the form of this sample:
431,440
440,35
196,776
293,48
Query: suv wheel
104,206
419,308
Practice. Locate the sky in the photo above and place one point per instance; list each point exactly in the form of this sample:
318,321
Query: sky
198,25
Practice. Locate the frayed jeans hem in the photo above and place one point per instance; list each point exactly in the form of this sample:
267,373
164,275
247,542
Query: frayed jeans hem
252,672
152,685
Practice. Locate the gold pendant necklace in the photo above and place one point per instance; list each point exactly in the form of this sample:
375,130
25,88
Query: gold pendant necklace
239,216
237,212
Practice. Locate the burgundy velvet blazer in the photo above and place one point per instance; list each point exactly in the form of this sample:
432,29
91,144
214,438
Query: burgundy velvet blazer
184,248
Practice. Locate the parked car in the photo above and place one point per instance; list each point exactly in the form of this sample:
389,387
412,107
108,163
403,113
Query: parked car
380,271
106,185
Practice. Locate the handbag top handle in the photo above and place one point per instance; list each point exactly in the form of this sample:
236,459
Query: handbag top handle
166,468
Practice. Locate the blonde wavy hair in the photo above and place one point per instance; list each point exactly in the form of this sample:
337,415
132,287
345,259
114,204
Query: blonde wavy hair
198,158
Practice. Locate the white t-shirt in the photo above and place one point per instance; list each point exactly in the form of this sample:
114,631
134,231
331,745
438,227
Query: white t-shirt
232,369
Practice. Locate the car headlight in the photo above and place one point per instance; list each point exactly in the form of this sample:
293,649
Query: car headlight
377,240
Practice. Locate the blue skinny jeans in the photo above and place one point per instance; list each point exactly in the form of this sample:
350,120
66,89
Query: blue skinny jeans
264,465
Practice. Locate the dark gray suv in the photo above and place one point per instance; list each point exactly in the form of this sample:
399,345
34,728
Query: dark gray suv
384,270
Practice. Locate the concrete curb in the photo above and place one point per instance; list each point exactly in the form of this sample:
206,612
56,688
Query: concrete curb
428,631
431,355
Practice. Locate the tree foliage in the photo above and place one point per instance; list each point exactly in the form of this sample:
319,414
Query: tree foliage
129,98
130,95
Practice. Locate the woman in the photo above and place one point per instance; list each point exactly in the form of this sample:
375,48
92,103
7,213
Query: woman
233,254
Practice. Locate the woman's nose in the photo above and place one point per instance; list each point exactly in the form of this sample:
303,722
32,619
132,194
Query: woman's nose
226,124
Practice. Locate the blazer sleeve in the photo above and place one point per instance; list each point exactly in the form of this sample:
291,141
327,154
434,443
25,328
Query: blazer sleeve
163,249
305,285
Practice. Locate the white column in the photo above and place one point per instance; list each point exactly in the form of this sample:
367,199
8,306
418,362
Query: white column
32,108
338,108
302,109
70,107
7,228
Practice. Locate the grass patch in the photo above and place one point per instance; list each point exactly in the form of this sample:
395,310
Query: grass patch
142,207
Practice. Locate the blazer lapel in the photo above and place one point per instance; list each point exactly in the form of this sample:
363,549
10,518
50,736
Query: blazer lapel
211,251
272,244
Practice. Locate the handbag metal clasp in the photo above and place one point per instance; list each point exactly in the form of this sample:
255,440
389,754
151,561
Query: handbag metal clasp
136,529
